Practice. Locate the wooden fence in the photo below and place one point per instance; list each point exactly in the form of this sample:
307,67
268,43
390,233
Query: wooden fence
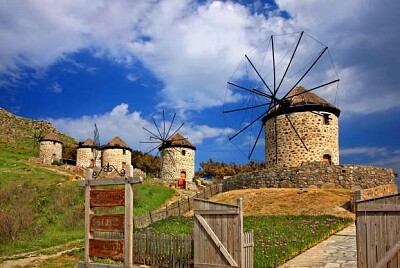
164,250
218,236
161,250
378,232
248,249
177,208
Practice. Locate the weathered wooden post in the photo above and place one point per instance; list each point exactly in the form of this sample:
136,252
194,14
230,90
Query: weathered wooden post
106,248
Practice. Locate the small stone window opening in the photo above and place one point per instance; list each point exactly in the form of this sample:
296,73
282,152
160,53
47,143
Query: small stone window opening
124,151
91,165
326,158
326,119
183,152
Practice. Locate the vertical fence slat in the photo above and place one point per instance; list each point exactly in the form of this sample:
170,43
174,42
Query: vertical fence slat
378,230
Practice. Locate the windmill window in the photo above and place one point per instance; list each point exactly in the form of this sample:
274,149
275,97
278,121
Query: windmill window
326,158
326,119
183,152
124,151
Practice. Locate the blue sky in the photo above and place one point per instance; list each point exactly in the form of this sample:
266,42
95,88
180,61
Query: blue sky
117,63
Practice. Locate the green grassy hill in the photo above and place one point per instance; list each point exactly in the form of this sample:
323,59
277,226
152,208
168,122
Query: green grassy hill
40,206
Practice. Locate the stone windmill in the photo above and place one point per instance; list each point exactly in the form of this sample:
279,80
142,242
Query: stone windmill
177,153
50,148
317,126
177,159
264,97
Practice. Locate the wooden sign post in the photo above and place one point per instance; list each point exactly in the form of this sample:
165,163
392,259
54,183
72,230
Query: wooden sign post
108,248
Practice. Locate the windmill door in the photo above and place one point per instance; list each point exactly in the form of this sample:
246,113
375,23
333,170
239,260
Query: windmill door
183,175
217,234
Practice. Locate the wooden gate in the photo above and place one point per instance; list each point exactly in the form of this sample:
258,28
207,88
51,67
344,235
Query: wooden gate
218,236
378,232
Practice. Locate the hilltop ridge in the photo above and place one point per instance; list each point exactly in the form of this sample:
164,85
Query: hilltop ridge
13,127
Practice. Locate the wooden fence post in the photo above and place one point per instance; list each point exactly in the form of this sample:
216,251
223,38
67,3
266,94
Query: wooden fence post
128,250
88,213
239,202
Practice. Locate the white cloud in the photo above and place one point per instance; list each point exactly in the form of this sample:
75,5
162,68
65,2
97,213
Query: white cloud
375,156
193,48
56,88
132,77
369,151
129,126
361,37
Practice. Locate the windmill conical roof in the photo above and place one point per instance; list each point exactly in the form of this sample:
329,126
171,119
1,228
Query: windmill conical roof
177,140
51,137
301,100
300,96
89,143
117,142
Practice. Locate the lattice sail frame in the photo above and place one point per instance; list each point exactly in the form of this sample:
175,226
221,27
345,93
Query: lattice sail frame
263,80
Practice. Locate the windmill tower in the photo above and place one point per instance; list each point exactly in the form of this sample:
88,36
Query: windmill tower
177,153
87,154
117,153
50,148
177,159
316,123
299,125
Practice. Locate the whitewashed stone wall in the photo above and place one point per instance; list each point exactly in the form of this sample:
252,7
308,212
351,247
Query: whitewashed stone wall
115,157
50,151
319,138
84,156
174,161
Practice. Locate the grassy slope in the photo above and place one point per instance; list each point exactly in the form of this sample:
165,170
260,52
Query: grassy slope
284,201
49,204
56,202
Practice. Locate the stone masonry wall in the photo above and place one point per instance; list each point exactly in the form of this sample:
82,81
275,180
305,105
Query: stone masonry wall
174,161
116,156
318,137
85,155
50,151
313,175
379,191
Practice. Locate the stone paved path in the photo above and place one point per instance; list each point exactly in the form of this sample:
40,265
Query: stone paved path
339,250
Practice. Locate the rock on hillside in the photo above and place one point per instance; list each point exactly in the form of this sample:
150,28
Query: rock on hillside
14,127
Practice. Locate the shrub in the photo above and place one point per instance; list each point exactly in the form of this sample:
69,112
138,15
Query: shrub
17,214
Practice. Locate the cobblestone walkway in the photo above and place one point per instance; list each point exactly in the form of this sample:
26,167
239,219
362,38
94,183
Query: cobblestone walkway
339,250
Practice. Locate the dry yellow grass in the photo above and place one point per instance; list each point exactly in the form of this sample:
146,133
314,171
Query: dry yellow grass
282,201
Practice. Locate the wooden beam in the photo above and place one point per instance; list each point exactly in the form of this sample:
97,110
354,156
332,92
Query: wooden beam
206,265
389,255
107,198
113,249
216,212
88,213
377,207
128,236
100,182
82,264
216,241
107,223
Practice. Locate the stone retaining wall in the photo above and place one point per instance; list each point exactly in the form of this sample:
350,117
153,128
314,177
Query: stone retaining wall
379,191
313,175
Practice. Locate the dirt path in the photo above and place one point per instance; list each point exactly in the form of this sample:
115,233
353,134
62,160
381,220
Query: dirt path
23,259
29,259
